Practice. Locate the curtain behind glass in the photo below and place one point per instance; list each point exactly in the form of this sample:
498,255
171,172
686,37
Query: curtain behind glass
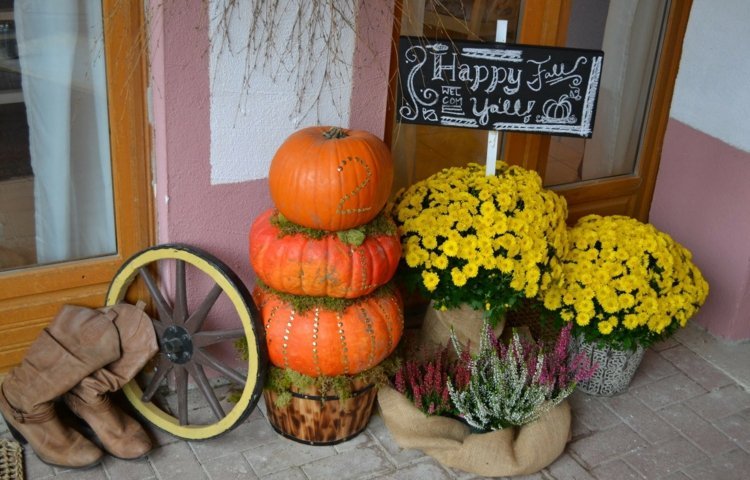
64,88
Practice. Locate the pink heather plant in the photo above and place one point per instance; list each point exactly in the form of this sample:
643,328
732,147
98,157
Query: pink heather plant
425,382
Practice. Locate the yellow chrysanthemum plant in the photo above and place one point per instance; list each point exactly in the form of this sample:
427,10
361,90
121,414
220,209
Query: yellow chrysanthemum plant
483,241
625,284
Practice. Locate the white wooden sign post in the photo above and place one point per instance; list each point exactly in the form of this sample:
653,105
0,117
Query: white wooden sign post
501,35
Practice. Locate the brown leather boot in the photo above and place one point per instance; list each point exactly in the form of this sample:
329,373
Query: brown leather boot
120,434
77,342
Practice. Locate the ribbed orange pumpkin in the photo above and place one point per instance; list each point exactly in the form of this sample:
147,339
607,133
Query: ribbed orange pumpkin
329,178
321,341
328,267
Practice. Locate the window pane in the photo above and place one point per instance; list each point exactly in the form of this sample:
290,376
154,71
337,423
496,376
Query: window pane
628,31
55,179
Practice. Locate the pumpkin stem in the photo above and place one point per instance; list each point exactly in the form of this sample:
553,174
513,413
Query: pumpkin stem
335,132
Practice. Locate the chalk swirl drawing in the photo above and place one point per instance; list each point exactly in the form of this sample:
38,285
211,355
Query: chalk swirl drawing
428,97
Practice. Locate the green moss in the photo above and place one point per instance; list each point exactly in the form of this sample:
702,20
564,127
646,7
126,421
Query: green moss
305,303
380,225
284,381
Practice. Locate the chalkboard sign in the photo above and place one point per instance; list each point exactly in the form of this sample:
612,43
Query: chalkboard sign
495,86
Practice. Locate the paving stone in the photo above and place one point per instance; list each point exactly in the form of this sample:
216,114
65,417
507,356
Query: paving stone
696,368
592,411
737,428
291,474
158,436
731,358
605,445
127,469
230,467
246,436
721,403
283,454
707,437
665,344
176,461
399,456
655,366
733,465
677,476
640,418
426,470
354,464
616,469
360,440
33,467
94,473
566,468
665,458
669,390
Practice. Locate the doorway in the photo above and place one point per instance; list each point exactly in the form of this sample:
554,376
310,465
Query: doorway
614,172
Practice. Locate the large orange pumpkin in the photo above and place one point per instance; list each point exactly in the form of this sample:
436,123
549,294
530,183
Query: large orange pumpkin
329,178
301,265
321,341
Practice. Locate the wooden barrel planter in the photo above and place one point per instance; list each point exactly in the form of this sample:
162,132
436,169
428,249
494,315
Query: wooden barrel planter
315,419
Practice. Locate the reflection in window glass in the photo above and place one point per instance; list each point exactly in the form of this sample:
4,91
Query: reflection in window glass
56,179
628,31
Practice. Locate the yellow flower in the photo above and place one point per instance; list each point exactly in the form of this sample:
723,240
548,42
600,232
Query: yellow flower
450,248
630,321
605,328
458,277
440,262
430,280
471,270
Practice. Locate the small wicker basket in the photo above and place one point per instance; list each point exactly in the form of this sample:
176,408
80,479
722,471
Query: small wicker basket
11,460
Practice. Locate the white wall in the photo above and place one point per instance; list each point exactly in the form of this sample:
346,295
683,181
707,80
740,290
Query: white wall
248,125
712,92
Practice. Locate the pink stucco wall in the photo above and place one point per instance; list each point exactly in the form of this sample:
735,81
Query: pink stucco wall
190,209
702,199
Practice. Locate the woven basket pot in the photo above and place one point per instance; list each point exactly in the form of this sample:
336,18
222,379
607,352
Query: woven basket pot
502,453
615,367
465,321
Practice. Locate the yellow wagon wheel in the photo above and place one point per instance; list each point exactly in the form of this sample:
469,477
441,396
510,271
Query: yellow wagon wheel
196,387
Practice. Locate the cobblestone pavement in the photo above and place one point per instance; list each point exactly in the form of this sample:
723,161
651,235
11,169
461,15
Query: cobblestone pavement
686,415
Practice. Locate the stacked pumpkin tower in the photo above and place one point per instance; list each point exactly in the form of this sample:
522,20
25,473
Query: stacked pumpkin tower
324,257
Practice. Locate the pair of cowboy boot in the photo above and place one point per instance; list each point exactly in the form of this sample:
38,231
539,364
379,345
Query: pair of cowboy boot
83,354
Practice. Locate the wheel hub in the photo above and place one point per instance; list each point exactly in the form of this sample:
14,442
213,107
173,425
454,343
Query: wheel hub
177,344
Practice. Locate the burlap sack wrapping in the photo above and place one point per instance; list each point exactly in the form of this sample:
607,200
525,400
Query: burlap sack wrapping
467,324
517,451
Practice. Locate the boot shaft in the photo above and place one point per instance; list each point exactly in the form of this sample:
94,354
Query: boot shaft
78,342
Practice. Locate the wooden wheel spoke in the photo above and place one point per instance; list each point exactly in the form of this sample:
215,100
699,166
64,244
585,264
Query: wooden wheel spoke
159,327
181,384
165,312
162,369
207,360
196,371
202,339
195,322
180,301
